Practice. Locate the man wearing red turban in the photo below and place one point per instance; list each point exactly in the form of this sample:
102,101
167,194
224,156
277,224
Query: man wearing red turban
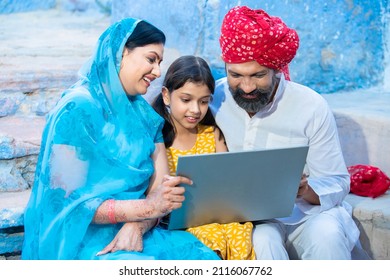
254,35
258,107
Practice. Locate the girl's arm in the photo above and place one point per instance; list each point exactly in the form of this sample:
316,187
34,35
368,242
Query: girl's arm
160,166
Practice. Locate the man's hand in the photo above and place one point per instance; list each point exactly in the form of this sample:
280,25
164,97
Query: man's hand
306,192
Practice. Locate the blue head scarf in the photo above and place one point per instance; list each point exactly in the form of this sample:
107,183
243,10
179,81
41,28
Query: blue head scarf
96,145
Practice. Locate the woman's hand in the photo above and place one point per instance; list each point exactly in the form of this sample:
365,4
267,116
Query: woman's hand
128,238
167,196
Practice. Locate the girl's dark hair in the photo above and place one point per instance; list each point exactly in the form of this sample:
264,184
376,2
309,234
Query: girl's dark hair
145,34
185,69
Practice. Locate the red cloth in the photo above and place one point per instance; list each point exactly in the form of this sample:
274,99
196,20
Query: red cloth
248,35
368,180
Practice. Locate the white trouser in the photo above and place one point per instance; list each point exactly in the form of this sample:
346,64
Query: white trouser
321,237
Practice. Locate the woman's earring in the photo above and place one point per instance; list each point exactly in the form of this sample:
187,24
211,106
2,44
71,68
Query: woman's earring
168,108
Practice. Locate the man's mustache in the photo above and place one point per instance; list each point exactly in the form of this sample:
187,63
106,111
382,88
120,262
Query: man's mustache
256,91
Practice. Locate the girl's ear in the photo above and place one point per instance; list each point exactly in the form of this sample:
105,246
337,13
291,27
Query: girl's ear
166,96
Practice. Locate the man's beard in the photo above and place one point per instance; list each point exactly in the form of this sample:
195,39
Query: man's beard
262,97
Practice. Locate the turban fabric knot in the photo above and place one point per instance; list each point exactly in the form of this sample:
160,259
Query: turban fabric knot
368,180
248,35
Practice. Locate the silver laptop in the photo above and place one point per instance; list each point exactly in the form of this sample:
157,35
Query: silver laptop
239,186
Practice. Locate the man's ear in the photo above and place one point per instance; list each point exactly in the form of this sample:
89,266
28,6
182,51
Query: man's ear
166,96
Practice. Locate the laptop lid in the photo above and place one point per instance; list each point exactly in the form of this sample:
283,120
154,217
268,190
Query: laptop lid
239,186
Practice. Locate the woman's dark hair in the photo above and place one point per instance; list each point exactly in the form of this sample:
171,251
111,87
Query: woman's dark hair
185,69
145,34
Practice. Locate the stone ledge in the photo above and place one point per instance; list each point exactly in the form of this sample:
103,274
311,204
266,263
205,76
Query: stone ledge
363,121
12,205
372,215
11,243
20,139
53,42
20,136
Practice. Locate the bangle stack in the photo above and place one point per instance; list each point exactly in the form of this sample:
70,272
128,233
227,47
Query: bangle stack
111,211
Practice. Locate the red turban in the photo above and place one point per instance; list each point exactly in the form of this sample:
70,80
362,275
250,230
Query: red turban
368,180
248,35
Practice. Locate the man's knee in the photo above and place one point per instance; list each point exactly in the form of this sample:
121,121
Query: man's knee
268,242
324,228
322,238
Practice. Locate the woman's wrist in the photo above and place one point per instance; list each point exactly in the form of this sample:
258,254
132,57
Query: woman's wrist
146,225
111,211
148,209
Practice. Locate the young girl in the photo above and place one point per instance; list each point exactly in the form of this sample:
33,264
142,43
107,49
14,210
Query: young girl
190,129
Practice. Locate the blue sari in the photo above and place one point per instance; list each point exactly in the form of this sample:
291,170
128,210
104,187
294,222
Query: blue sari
97,145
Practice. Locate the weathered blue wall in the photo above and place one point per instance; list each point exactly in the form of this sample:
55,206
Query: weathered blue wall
18,6
12,6
342,42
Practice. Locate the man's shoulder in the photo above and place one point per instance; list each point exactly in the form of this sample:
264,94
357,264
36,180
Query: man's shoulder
220,84
305,95
221,87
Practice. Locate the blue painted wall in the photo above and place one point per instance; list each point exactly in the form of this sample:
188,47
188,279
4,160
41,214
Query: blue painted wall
17,6
342,42
20,6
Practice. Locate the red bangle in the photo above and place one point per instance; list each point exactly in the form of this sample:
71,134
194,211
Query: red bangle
111,211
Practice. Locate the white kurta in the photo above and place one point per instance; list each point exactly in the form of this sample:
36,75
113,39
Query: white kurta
297,116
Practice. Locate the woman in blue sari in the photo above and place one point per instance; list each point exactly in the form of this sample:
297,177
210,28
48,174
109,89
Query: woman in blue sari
100,184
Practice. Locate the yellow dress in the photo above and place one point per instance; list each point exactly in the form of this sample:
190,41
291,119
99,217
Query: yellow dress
231,241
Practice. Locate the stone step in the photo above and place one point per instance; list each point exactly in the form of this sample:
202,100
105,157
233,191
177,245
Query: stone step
363,121
372,216
20,139
42,58
12,206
